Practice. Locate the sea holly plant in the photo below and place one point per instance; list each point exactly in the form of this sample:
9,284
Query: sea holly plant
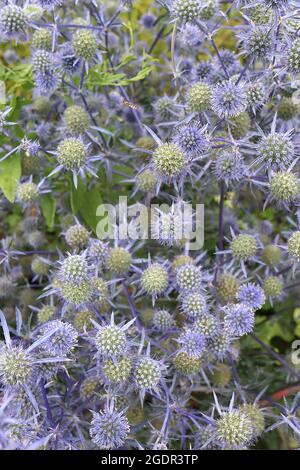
149,225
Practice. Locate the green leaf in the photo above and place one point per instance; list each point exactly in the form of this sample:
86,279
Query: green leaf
10,172
48,205
275,327
85,201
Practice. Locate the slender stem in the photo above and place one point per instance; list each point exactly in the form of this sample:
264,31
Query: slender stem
276,356
221,216
243,71
173,40
138,322
219,57
47,405
132,307
157,38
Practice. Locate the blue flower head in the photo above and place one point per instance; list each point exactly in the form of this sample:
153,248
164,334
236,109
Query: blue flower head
229,99
238,319
251,295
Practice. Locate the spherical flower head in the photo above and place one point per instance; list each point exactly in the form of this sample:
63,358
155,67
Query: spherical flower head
273,286
117,372
239,319
271,255
12,19
251,295
169,162
62,342
190,37
220,344
167,226
199,97
47,82
164,109
76,294
243,247
27,192
209,9
259,14
230,167
41,105
221,375
39,266
205,438
98,251
257,41
77,237
189,278
204,70
276,151
109,429
42,61
89,387
229,99
293,57
147,373
74,269
71,154
284,186
191,139
111,341
36,239
234,430
255,414
287,109
186,10
118,260
76,119
294,246
148,20
42,40
46,313
227,287
192,342
185,364
101,289
194,305
84,44
255,95
155,279
163,320
82,320
146,181
16,366
208,326
240,125
180,260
